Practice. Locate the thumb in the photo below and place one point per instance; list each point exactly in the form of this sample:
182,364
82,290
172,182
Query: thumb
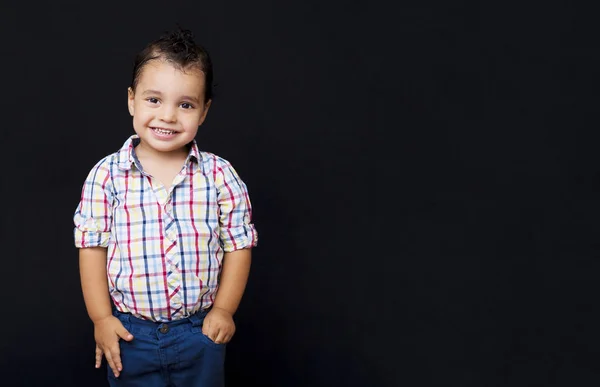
124,334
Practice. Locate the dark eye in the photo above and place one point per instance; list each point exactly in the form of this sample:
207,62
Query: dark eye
186,105
152,100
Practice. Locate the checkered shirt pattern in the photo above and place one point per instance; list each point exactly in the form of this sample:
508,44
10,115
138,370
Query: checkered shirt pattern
164,247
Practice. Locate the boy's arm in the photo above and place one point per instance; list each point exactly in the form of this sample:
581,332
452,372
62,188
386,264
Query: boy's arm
218,324
92,269
107,328
234,276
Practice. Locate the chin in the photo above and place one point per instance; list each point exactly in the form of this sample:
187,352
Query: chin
169,147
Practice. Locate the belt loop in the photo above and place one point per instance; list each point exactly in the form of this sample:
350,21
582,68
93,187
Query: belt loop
123,317
197,318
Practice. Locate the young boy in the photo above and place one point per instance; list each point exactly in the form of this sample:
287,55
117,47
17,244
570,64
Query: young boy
164,232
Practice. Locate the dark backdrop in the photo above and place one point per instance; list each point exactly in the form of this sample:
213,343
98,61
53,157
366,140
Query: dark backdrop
424,179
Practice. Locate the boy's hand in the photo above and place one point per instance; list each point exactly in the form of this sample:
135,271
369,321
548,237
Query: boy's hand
218,325
107,332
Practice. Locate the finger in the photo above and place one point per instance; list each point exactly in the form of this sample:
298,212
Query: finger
215,334
111,363
227,334
98,356
228,338
220,337
115,353
124,334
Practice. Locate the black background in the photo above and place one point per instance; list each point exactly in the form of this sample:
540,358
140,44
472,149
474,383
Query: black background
424,178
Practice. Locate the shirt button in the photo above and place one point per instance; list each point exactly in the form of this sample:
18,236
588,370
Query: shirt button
164,328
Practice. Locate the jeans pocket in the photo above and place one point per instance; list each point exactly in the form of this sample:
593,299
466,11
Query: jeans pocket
205,339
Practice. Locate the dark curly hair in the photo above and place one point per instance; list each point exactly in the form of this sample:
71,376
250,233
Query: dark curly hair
178,48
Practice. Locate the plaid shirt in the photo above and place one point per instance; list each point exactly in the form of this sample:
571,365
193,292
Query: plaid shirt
165,248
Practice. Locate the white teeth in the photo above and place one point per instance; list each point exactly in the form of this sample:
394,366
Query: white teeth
162,131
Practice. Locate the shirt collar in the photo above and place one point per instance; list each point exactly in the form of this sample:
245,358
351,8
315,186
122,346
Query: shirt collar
126,155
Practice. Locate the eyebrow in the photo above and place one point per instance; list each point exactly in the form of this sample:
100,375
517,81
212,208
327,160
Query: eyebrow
156,92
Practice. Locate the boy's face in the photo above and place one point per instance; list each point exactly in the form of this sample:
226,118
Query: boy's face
168,106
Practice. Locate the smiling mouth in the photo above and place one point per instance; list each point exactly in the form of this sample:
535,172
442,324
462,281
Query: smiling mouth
164,132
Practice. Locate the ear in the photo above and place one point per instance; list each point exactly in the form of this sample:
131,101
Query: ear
205,112
130,99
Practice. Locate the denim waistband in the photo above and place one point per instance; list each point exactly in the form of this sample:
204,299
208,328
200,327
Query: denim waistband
195,319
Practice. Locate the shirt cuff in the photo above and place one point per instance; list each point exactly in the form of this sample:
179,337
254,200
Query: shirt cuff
237,238
85,239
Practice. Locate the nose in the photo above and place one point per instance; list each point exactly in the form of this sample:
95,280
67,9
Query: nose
168,114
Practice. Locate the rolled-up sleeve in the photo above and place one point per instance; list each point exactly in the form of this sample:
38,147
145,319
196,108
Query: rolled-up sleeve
93,216
235,216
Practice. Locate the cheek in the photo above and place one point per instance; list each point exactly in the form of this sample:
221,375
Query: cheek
191,122
141,120
142,114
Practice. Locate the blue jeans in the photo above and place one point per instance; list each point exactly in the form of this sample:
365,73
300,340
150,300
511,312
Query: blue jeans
173,354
